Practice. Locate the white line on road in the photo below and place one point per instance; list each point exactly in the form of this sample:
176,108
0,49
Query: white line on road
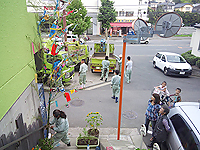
98,86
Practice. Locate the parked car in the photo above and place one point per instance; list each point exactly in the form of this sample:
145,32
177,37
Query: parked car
172,64
185,126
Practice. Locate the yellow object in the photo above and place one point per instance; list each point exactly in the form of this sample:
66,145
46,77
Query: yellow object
36,78
72,91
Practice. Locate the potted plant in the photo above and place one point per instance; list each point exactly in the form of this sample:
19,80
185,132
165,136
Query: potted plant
94,120
84,140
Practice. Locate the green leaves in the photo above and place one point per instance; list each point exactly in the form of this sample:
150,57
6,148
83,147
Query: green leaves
94,120
107,13
78,17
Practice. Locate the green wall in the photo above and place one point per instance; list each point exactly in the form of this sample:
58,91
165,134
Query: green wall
16,56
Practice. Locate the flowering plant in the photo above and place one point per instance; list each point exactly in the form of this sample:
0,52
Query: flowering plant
94,120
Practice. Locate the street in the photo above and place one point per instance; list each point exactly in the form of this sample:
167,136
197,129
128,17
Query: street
137,93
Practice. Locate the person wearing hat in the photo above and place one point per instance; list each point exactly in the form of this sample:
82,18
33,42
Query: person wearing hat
82,74
105,68
115,85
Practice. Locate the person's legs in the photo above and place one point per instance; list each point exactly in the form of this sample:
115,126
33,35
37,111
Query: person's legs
147,123
107,72
113,90
56,138
127,76
153,124
102,74
130,75
65,139
84,80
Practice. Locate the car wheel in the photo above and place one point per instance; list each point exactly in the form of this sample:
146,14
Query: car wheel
147,42
154,64
92,70
166,71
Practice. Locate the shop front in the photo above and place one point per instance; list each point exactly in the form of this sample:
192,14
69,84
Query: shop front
120,28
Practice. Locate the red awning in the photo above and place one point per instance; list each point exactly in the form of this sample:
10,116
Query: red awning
119,24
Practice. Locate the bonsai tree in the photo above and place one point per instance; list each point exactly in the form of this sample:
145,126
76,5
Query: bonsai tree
106,14
78,17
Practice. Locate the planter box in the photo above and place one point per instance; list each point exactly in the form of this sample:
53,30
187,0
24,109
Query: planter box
85,146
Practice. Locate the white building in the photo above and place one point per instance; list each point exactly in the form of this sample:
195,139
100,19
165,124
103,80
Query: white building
195,41
127,11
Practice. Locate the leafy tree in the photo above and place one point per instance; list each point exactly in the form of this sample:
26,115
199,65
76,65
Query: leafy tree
107,13
78,17
154,15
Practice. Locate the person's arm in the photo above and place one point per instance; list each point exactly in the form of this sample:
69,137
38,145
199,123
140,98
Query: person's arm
81,69
61,127
166,124
53,121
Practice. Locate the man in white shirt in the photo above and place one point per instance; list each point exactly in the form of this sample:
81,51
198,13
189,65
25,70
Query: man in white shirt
128,69
82,74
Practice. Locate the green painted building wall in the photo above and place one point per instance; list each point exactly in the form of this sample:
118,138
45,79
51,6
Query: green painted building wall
16,56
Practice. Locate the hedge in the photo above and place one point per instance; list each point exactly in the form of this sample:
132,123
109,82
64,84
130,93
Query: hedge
191,59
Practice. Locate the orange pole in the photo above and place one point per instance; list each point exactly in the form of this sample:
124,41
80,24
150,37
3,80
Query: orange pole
121,88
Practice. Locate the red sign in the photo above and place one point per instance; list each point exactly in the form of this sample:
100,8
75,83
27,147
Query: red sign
49,7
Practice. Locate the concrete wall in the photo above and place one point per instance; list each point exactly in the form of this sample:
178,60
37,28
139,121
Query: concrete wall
18,31
195,43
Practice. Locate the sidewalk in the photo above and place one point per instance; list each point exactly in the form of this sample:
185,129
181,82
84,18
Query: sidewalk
129,139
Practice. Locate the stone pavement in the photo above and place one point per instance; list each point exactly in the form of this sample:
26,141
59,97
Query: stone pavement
130,139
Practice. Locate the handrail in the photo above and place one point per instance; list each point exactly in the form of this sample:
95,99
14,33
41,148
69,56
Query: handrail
21,138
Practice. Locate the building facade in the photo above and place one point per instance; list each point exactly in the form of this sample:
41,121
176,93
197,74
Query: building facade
184,7
17,92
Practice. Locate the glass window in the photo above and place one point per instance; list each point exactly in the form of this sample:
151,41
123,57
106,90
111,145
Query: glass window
199,46
129,13
163,58
175,59
158,55
121,13
186,135
187,8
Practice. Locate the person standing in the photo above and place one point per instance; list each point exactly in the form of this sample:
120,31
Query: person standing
115,85
162,128
119,60
152,111
61,127
82,74
105,68
128,69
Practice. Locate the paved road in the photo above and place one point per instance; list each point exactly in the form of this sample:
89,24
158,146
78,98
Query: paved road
135,94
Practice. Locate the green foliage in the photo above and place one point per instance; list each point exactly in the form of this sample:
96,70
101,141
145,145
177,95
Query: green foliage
189,18
107,13
78,17
198,63
46,144
94,120
186,1
183,35
154,15
191,59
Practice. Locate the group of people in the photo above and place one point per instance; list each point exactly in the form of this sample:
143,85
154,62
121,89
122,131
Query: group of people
156,113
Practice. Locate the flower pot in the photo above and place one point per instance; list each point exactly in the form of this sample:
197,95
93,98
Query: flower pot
82,142
93,132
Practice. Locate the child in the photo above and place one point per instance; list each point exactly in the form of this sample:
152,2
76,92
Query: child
115,85
162,90
176,97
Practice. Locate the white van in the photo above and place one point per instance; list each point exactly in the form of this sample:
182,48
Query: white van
71,37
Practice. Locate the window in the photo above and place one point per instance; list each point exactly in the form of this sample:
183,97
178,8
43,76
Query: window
184,132
129,13
187,8
163,58
121,13
199,46
158,55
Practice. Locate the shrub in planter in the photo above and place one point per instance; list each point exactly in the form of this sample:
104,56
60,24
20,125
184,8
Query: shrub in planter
198,63
191,60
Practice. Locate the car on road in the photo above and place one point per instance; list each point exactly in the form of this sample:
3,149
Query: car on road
185,126
172,64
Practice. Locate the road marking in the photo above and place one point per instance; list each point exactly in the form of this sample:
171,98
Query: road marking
98,86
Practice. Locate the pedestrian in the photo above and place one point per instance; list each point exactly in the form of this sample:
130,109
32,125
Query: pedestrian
115,85
119,60
61,127
128,69
152,111
105,68
162,128
82,74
